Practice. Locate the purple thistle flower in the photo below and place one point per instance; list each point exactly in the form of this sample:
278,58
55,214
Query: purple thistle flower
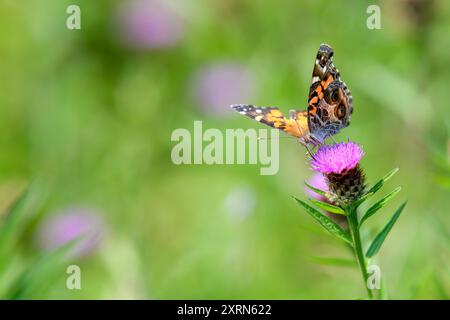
149,24
69,224
337,158
339,163
219,85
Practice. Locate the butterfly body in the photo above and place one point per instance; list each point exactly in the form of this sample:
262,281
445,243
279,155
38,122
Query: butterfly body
329,106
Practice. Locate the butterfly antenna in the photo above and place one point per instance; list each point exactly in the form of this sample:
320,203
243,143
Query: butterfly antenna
266,138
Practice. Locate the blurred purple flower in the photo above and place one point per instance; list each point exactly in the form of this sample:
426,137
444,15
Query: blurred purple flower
69,224
149,24
220,85
317,181
337,158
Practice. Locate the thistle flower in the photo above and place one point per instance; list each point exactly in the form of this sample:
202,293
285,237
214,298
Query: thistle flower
149,25
339,163
220,84
69,224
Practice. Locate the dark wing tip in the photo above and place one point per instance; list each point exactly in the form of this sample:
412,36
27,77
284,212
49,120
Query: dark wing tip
325,46
241,107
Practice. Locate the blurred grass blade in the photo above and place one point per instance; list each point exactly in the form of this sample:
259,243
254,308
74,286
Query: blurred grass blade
328,207
318,191
380,183
380,204
11,225
330,261
42,273
26,205
12,216
17,218
379,239
326,222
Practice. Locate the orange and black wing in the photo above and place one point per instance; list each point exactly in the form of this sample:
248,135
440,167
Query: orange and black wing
330,101
296,125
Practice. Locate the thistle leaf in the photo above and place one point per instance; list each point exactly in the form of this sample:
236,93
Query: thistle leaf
328,207
318,191
380,204
326,222
380,183
379,239
360,201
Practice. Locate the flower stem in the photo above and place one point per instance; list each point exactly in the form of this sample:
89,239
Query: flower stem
357,247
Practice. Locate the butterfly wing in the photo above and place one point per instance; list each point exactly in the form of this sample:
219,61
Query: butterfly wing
296,125
330,101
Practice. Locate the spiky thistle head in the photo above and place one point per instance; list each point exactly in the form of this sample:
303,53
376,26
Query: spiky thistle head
339,163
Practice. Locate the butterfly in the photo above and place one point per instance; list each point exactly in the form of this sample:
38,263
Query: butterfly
329,105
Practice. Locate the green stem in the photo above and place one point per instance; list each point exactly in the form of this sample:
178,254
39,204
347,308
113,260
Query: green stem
357,247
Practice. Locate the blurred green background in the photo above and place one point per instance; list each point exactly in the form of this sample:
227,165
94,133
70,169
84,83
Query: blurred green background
86,118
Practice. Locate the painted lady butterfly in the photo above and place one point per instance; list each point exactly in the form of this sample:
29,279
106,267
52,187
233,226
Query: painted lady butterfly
329,105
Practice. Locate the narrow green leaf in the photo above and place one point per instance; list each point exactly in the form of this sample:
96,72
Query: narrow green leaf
379,239
331,261
380,204
380,183
328,207
318,191
326,222
360,201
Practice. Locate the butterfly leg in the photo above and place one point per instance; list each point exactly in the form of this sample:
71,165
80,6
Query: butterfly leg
309,151
332,138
